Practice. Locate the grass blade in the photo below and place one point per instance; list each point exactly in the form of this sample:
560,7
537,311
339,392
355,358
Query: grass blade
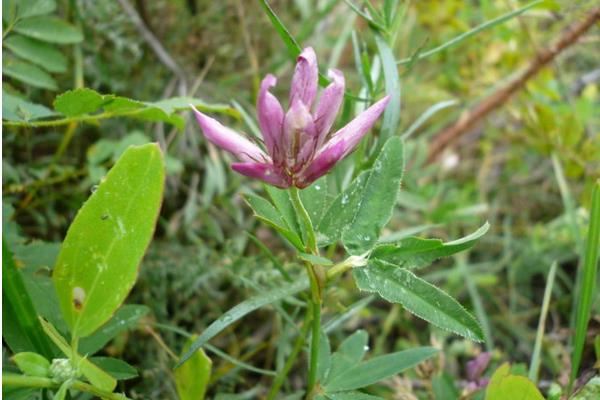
430,112
588,283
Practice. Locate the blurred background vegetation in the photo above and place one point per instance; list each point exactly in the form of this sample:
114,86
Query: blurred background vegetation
527,168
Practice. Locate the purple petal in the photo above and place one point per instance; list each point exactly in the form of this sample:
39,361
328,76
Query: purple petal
320,165
228,139
270,118
477,366
330,103
305,80
351,134
264,172
298,129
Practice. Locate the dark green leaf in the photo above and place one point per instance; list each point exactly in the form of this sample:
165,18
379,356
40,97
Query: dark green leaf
377,199
37,52
351,396
350,352
399,285
33,8
324,360
78,102
49,29
414,252
118,369
283,203
242,310
99,258
378,368
315,199
29,74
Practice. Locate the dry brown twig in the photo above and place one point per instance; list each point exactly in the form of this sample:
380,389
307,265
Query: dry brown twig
472,117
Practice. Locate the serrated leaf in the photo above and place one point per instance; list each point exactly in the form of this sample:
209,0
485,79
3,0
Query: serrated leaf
79,102
267,213
124,319
17,109
378,368
32,364
29,74
116,368
37,52
98,262
378,198
399,285
192,378
503,385
49,29
414,252
241,310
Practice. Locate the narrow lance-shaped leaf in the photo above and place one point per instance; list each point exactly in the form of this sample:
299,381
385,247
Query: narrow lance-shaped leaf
98,262
399,285
378,198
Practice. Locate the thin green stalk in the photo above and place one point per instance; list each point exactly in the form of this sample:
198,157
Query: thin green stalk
314,347
289,363
588,283
311,241
534,365
22,381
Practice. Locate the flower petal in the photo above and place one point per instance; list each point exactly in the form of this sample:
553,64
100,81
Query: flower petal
298,129
330,103
228,139
305,80
351,134
263,171
270,117
320,165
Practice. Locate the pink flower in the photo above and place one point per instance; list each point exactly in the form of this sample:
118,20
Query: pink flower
299,147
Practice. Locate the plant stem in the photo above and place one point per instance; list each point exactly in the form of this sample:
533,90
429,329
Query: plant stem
22,381
317,279
289,363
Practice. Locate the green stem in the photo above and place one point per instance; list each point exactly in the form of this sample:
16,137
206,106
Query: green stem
289,363
314,347
311,241
23,381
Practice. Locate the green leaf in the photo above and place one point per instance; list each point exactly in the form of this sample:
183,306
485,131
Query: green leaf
315,199
341,211
124,319
33,8
283,203
324,360
242,310
192,378
99,259
32,364
503,385
268,214
352,396
378,368
311,258
391,116
25,332
118,369
399,285
378,198
414,252
91,371
17,109
49,29
350,352
29,74
78,102
37,52
61,394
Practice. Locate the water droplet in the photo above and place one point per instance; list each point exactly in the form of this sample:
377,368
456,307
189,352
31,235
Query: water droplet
225,318
121,227
317,187
344,199
94,188
78,297
366,348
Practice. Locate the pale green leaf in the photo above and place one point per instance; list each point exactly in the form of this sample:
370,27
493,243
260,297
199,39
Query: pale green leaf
399,285
42,54
378,198
378,368
350,352
391,116
503,385
99,258
17,109
351,396
33,8
192,378
315,199
32,364
78,102
28,74
324,360
49,29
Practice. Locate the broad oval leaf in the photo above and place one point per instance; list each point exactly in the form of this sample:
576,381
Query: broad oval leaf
378,368
399,285
80,101
504,385
98,262
43,54
378,198
32,364
192,379
49,29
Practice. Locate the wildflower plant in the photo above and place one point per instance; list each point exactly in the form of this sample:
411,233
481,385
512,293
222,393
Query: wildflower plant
298,149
